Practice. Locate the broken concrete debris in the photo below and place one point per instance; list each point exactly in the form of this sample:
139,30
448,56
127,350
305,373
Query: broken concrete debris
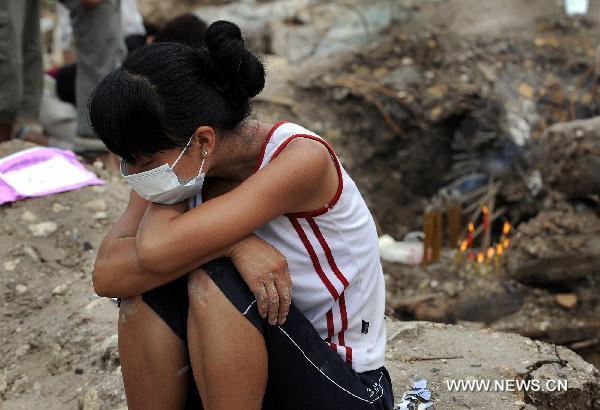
417,398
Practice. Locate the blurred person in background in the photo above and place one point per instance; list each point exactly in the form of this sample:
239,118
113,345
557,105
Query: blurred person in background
185,29
21,70
132,25
99,48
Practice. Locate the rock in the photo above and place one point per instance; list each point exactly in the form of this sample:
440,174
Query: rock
56,207
439,352
557,245
3,381
21,385
31,252
450,288
568,155
486,305
60,290
87,246
526,91
28,216
10,265
109,353
96,205
94,304
72,235
90,400
567,300
20,289
23,350
43,229
100,215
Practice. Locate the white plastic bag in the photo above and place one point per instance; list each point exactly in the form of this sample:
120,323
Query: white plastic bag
409,252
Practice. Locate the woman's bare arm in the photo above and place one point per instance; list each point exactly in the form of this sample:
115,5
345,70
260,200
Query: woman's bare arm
117,271
169,239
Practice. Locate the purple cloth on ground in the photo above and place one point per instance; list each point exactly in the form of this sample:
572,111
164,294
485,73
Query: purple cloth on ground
40,171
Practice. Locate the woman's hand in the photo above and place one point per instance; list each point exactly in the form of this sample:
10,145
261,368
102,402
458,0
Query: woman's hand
265,271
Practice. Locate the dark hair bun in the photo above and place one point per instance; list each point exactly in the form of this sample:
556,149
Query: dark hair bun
236,70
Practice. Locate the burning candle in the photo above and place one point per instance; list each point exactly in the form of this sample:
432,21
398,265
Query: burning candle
470,234
499,251
505,243
459,254
506,228
480,258
488,257
505,231
486,218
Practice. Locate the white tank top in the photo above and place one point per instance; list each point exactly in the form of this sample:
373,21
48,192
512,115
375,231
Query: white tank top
333,258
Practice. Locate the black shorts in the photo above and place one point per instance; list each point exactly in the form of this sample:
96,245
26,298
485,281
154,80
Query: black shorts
304,372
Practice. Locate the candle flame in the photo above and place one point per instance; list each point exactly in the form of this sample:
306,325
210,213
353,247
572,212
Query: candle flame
499,249
490,252
506,228
506,243
480,257
463,245
485,210
471,227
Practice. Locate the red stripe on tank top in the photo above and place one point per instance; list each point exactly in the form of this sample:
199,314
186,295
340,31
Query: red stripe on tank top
344,315
327,251
263,149
342,279
313,257
329,316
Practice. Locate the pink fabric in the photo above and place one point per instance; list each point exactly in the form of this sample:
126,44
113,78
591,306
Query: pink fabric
13,184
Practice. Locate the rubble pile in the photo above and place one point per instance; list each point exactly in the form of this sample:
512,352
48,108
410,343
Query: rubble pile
423,115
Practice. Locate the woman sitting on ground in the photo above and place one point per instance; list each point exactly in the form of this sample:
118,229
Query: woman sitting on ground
226,217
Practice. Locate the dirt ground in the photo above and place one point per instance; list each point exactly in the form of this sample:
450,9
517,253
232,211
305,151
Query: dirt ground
59,339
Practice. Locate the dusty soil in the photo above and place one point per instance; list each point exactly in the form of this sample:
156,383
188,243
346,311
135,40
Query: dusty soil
58,338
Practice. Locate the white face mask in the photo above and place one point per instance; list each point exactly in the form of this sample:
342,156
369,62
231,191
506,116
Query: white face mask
161,185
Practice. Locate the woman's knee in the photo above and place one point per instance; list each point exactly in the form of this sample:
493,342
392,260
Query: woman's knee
200,287
129,308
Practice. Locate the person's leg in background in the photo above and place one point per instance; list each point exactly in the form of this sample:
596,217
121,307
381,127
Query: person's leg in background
227,352
99,47
11,64
28,126
154,362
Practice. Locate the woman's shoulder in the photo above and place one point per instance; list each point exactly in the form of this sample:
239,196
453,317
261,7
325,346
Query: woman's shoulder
282,134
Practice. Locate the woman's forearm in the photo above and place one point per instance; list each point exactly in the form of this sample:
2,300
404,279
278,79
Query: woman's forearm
118,273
